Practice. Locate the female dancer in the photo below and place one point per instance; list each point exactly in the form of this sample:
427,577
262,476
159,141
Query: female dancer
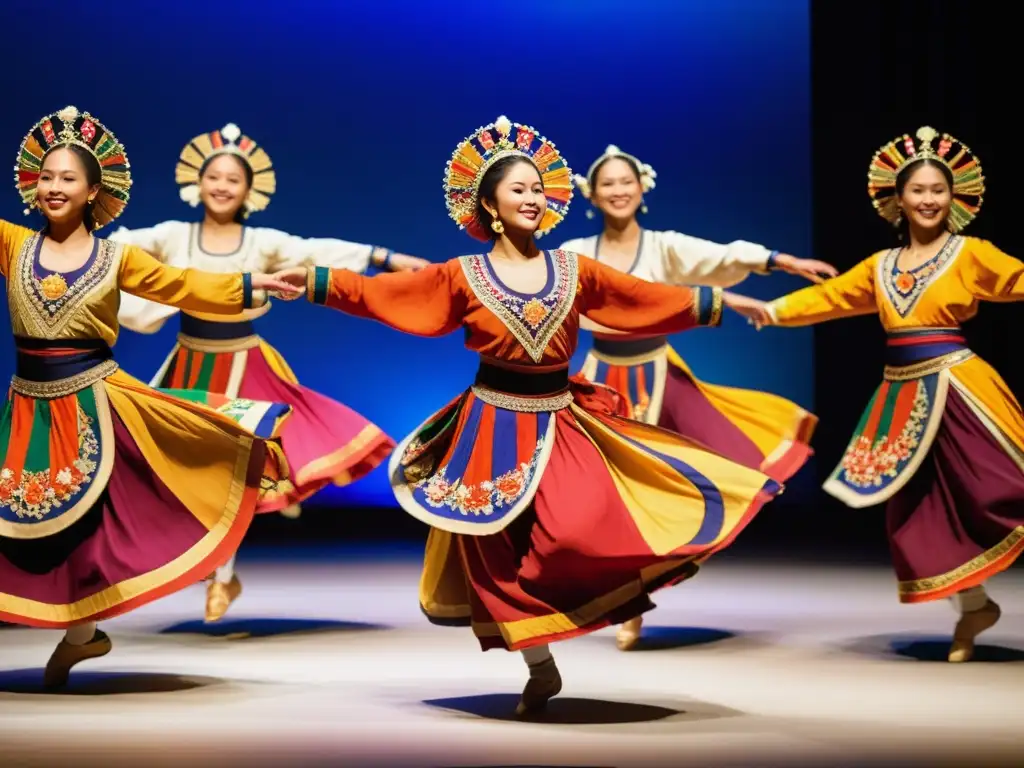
756,429
112,494
325,442
942,441
551,516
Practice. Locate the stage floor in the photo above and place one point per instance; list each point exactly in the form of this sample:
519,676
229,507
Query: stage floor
325,663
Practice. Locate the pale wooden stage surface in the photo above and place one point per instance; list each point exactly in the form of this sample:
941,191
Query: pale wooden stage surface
332,664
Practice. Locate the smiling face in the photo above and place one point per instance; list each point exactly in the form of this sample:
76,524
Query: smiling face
66,185
223,185
617,192
926,196
518,199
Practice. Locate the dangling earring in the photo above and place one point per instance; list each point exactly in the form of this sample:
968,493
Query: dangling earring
643,206
36,206
590,213
497,226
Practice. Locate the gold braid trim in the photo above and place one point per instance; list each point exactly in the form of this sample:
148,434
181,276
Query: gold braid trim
717,301
926,367
522,404
216,346
49,390
1008,546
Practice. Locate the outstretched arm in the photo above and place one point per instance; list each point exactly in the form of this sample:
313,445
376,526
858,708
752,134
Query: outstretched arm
12,236
168,243
994,275
284,251
423,303
687,260
625,303
191,289
848,295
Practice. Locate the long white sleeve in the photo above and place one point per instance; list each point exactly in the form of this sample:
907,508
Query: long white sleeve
586,246
282,251
686,260
167,242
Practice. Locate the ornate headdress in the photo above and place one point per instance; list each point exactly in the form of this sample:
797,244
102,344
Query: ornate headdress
586,183
968,181
69,126
228,140
477,153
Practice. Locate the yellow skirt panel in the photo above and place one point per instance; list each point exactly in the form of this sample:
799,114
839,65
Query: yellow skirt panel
766,419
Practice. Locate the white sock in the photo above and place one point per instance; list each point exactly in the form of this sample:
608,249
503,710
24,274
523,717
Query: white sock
969,600
80,634
538,654
226,571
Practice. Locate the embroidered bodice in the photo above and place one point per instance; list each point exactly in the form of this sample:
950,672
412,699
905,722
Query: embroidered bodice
505,325
944,292
84,304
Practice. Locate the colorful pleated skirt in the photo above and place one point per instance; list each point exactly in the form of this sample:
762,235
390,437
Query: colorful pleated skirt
553,516
113,494
324,441
757,429
941,443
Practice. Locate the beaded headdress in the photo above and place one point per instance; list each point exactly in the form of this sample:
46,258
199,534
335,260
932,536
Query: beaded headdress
69,126
586,183
228,140
477,153
968,181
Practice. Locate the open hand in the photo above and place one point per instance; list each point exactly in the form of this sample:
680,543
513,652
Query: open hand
809,269
754,310
400,262
273,284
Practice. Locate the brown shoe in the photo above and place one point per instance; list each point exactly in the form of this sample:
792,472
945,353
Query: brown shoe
66,655
629,634
544,684
220,596
969,627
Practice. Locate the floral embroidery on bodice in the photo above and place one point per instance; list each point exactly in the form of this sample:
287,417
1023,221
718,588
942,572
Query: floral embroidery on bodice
904,289
533,320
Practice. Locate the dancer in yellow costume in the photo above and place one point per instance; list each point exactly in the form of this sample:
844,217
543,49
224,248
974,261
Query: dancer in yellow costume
942,440
760,430
112,494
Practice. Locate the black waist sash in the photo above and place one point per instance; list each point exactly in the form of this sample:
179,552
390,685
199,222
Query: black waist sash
522,382
212,331
628,347
45,360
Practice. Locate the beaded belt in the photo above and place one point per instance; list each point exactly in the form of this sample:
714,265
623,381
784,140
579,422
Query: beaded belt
917,352
522,391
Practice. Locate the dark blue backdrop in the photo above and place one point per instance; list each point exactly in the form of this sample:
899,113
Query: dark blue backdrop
361,102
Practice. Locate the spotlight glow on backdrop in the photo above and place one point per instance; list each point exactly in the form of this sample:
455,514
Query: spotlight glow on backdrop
361,103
